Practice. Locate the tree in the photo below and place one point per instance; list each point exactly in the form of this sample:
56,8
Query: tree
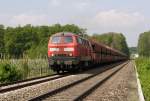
71,28
133,50
144,44
18,40
2,39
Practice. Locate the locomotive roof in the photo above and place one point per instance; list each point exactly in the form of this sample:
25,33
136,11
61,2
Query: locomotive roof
68,34
64,33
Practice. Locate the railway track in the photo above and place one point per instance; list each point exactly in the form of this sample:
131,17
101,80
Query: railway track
79,89
24,83
20,81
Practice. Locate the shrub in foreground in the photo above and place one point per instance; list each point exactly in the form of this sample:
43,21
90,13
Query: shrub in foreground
9,73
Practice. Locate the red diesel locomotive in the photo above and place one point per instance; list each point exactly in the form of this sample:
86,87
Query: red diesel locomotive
71,52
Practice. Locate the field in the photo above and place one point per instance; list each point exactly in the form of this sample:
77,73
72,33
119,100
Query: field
27,68
143,68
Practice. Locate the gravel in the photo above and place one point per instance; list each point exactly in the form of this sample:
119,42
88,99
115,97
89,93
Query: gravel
121,87
73,92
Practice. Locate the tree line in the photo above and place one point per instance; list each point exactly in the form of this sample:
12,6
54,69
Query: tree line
144,44
31,41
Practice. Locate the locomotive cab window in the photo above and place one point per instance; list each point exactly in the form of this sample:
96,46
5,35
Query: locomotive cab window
56,39
68,39
79,40
61,39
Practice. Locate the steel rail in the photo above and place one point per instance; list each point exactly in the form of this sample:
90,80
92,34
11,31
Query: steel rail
30,82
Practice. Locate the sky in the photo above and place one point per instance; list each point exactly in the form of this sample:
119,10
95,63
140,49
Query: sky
130,17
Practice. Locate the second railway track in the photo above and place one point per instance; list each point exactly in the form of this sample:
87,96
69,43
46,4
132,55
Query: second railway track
20,84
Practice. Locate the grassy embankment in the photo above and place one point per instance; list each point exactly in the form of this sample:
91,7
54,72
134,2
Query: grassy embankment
143,68
18,69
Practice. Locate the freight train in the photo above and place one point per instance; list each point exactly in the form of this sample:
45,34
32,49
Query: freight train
70,52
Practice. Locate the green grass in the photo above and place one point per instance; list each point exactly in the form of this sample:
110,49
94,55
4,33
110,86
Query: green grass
28,68
143,68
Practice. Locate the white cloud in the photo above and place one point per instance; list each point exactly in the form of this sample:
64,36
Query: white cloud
117,20
131,24
55,3
23,19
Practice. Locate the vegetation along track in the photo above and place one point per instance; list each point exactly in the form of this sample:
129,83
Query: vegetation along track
24,83
81,88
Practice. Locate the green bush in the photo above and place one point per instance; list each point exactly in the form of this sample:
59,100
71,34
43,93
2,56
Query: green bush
9,73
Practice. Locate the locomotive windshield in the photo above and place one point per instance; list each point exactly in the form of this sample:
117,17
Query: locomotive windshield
68,39
62,39
56,39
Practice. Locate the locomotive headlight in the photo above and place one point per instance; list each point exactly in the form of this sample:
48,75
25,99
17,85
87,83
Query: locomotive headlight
68,49
52,54
54,49
70,54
